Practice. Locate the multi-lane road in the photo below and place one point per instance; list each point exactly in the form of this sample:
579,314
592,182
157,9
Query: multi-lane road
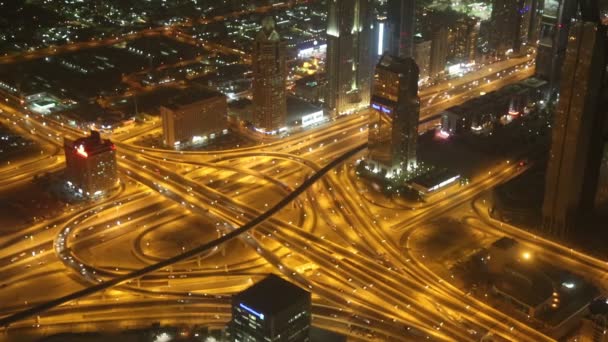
330,239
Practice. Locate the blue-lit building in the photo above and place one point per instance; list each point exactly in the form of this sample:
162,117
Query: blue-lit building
393,120
271,310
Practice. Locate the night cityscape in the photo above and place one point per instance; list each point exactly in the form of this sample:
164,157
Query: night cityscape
303,170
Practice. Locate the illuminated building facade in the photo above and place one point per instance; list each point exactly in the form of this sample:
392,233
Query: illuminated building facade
439,51
462,39
269,79
271,310
401,15
510,26
196,115
576,150
90,165
553,38
393,123
422,55
349,55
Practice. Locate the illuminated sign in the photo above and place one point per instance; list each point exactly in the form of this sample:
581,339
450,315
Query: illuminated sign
80,150
250,310
384,109
313,118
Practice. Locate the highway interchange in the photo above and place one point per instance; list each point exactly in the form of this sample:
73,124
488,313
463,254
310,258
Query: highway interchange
349,251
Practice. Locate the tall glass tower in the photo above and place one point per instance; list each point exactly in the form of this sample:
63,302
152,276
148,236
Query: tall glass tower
401,17
269,79
577,142
349,55
393,122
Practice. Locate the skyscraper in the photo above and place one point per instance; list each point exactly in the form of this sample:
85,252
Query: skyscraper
510,26
576,150
401,15
393,123
269,79
523,20
439,51
349,55
553,38
271,310
462,38
90,164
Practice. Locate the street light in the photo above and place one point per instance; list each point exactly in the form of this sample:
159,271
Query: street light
527,255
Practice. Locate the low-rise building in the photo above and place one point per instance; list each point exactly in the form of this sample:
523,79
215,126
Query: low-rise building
195,115
311,88
480,114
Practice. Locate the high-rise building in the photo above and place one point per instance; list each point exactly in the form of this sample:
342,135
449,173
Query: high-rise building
462,38
195,115
393,123
271,310
349,55
422,55
439,51
90,165
553,39
576,149
510,26
269,79
401,18
523,21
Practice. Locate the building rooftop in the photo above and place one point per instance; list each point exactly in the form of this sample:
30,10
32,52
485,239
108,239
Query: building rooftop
599,306
296,108
240,103
524,284
397,64
91,145
533,82
505,243
271,295
192,95
311,81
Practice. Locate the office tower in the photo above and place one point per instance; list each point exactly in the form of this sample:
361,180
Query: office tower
422,55
510,26
536,13
502,32
439,51
553,38
576,149
393,123
195,115
90,165
401,18
462,38
269,79
271,310
349,55
523,20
